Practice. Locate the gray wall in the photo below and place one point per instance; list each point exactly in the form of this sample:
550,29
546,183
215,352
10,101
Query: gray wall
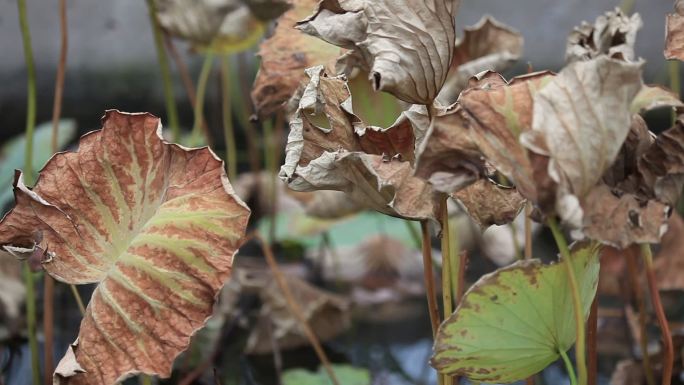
112,60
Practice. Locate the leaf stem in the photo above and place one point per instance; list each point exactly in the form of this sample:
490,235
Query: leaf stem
447,300
668,348
528,253
79,300
580,353
201,92
31,322
31,317
48,282
228,129
633,279
428,276
295,308
568,367
592,330
171,111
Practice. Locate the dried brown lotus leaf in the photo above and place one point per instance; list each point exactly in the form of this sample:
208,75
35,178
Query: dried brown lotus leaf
406,45
674,33
661,167
326,313
220,25
155,225
490,204
497,113
651,97
613,34
487,46
622,220
448,158
581,119
285,56
669,262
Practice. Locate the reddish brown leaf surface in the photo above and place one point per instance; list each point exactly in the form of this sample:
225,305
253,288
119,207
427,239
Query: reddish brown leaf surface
330,148
497,113
674,39
669,261
490,204
285,56
155,225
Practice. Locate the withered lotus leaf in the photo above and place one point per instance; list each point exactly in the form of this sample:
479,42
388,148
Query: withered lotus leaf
490,204
223,25
285,56
330,148
447,157
674,38
669,263
497,114
153,224
581,118
406,45
488,45
651,97
613,34
634,200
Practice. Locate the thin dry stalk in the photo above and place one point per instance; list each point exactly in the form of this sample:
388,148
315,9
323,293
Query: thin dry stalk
633,279
295,308
185,78
429,277
668,348
592,354
49,283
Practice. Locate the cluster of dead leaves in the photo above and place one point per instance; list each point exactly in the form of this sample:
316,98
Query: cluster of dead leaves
330,147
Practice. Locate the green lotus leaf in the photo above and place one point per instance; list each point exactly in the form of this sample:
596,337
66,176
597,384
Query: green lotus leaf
515,321
346,374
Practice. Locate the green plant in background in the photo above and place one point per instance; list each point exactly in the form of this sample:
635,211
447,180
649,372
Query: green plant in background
348,375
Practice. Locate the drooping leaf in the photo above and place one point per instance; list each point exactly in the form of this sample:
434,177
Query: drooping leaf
330,148
407,46
674,33
224,25
654,96
488,45
497,114
581,118
514,322
632,203
155,225
613,34
622,220
669,262
490,204
448,157
346,374
285,56
12,152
